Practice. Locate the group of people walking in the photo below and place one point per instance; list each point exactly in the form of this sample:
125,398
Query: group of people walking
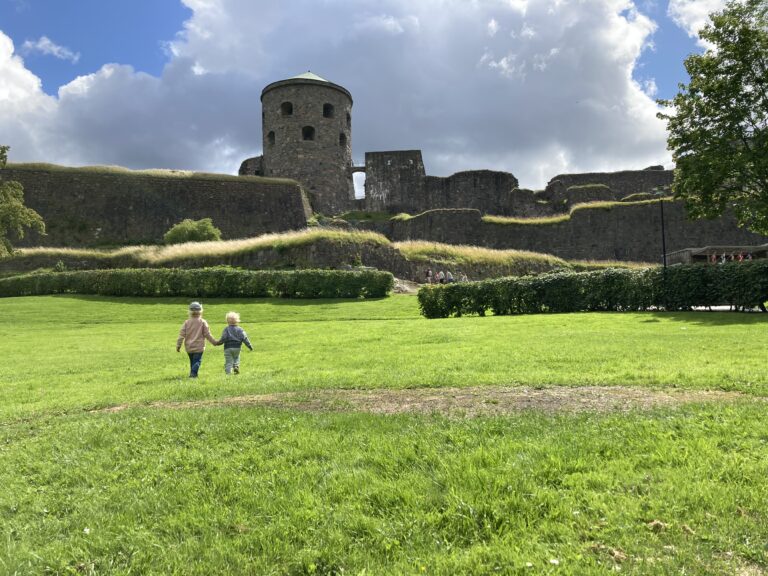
195,331
441,277
732,257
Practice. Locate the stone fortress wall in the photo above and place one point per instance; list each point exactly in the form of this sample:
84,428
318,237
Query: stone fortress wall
396,181
106,206
625,232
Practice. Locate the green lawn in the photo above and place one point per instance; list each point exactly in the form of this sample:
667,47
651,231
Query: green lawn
255,490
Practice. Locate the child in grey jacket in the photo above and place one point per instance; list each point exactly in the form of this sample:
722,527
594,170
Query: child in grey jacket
233,337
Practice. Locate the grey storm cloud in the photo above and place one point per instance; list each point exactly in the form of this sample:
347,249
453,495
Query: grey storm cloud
533,87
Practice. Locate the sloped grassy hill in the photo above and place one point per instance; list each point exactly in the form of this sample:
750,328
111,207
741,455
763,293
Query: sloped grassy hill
309,248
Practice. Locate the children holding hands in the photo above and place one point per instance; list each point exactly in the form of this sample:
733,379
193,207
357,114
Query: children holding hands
193,333
233,337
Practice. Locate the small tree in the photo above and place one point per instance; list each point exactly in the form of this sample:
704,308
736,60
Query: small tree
718,123
192,231
14,216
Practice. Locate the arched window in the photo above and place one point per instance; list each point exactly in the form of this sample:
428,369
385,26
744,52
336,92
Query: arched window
342,139
349,120
271,138
286,109
308,133
328,110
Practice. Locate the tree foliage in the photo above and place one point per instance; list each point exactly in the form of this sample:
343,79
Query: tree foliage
192,231
14,216
718,123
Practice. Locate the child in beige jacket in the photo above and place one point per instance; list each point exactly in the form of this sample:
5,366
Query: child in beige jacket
194,332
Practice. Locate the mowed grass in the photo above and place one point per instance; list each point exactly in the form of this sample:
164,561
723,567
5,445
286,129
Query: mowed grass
255,490
69,353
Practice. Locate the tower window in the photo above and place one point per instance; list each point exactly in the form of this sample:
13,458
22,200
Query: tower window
328,110
286,109
308,133
342,139
349,120
271,138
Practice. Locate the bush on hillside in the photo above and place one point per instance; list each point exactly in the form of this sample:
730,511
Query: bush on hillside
209,283
192,231
743,285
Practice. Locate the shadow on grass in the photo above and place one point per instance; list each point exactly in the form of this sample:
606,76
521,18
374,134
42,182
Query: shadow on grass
185,300
707,318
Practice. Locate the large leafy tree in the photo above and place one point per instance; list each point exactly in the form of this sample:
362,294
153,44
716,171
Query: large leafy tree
14,216
718,123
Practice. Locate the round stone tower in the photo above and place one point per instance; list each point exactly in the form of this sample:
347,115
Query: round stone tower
307,135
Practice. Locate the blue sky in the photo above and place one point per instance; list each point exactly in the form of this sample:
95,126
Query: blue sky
131,32
534,87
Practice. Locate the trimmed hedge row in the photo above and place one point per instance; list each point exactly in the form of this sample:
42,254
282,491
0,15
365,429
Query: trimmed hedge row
740,284
209,282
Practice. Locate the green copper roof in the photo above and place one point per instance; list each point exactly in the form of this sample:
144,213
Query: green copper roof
308,76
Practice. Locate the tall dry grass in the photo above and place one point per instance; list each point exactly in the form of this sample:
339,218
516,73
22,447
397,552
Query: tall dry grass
157,255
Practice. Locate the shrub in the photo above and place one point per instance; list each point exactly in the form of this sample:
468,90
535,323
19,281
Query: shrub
209,282
192,231
743,285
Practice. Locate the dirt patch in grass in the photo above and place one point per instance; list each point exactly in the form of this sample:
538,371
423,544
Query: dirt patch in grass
470,401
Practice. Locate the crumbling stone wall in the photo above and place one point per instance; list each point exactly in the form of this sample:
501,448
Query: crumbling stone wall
252,166
627,232
621,183
397,182
92,206
394,182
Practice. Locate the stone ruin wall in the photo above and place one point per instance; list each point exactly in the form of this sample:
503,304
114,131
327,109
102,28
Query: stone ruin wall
627,232
91,207
396,181
560,189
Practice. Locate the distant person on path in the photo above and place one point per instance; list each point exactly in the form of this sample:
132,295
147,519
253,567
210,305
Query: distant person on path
441,277
194,332
233,337
448,277
429,275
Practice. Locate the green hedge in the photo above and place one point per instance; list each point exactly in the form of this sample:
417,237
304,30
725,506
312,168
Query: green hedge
743,285
209,282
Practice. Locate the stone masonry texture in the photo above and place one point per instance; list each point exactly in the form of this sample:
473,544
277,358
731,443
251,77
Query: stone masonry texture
307,136
628,232
90,207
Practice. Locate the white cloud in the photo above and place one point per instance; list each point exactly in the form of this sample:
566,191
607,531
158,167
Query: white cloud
24,108
493,27
47,47
693,15
387,23
432,74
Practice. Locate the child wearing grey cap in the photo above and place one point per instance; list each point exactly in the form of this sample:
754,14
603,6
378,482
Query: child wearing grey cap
194,332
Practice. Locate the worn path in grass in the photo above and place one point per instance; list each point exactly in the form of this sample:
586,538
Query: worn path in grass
469,401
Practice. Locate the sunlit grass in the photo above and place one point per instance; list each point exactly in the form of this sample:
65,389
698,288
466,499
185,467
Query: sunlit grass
510,262
255,490
155,173
557,219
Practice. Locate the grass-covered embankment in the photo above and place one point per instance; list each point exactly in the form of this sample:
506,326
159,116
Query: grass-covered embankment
318,247
560,218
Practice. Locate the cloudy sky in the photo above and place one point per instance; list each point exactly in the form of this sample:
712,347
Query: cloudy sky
533,87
